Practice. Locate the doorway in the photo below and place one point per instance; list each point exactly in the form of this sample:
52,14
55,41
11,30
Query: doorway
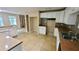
33,24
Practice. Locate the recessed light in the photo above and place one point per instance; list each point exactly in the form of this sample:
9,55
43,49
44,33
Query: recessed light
7,36
6,46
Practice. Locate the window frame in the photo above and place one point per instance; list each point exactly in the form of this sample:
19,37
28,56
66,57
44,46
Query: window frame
12,20
2,22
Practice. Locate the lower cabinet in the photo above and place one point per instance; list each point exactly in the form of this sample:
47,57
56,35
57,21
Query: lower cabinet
42,30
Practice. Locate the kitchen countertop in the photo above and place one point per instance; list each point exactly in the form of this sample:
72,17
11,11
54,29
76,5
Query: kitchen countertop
7,43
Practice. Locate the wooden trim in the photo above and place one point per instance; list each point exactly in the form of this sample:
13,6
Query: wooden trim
39,18
53,10
22,21
27,23
59,49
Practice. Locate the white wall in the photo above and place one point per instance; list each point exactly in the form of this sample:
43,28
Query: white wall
6,21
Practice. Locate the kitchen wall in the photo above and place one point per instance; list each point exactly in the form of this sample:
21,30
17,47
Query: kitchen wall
6,21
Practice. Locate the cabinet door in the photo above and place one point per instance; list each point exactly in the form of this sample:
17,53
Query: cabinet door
69,19
48,15
73,10
60,17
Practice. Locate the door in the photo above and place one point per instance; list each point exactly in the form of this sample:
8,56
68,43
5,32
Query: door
33,24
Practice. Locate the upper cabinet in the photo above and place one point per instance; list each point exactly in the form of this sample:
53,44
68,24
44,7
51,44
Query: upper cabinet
48,15
58,15
70,15
67,16
71,10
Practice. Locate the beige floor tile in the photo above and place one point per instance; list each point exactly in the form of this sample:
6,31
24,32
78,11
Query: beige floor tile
37,42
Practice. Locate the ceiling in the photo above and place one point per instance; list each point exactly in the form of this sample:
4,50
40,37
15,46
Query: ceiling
25,10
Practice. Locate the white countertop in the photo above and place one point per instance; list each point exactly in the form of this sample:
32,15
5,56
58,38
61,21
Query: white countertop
7,43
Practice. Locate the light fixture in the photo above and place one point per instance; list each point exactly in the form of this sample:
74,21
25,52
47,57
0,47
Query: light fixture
7,36
6,46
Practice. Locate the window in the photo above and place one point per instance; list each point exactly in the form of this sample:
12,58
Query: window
1,21
12,20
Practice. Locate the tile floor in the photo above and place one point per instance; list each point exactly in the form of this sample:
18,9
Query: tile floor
37,42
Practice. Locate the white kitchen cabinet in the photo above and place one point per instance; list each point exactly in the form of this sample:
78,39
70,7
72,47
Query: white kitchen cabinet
59,15
71,10
70,19
70,16
48,15
67,16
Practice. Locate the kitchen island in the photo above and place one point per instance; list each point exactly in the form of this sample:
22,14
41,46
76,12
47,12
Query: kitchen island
8,43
